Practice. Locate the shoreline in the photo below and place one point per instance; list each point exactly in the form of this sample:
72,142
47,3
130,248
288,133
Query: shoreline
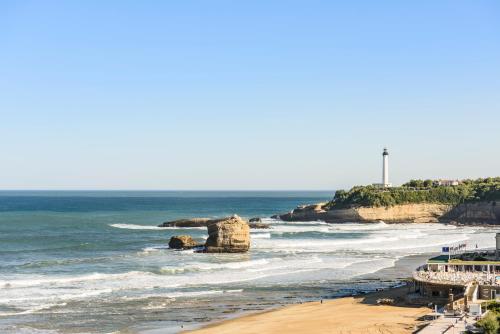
354,314
389,279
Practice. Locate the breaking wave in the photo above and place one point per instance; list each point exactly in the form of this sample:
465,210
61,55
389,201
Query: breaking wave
136,227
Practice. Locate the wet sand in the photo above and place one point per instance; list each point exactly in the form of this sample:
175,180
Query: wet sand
359,314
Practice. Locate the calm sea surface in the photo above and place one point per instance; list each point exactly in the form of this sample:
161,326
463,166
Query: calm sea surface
95,262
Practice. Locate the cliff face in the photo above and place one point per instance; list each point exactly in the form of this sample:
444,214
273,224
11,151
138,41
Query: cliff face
414,213
481,213
475,213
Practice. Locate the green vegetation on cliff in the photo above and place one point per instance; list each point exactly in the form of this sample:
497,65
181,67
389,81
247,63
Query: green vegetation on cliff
419,191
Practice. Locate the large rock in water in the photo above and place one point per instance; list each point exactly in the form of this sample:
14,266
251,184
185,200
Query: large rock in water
182,242
231,235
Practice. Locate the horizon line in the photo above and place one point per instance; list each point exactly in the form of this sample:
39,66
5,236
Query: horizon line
199,190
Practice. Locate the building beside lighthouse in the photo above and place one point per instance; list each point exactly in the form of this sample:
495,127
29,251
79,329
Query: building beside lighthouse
385,171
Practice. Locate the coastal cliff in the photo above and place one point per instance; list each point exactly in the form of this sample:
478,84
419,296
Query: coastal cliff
467,213
475,213
417,201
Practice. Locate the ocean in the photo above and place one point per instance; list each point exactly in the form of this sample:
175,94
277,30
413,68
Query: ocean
96,262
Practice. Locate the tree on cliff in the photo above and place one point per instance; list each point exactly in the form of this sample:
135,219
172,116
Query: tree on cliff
418,191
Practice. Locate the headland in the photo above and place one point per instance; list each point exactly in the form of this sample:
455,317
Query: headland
460,202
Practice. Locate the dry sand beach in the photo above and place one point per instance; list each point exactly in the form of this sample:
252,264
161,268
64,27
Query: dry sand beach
344,315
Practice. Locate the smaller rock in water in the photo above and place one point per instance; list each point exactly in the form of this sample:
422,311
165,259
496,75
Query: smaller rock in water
255,220
258,225
182,242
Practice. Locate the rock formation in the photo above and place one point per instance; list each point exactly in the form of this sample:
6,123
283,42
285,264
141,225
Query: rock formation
192,222
467,213
182,242
474,213
406,213
259,225
203,222
231,235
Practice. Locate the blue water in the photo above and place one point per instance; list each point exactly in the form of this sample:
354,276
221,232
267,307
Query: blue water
96,262
59,234
54,225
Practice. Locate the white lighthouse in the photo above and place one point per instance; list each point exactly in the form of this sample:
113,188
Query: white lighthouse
385,169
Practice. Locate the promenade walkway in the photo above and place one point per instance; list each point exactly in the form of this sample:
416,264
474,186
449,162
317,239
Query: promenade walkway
448,325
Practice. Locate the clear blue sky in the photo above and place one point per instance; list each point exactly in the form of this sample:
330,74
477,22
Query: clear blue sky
246,94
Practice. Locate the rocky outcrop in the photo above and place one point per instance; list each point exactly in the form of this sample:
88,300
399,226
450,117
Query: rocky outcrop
311,213
468,213
475,213
255,223
192,222
182,242
258,225
231,235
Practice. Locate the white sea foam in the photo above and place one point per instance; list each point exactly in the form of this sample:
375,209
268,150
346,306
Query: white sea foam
136,227
15,282
34,309
280,229
415,237
203,266
273,222
235,265
266,235
58,297
317,245
25,330
343,251
175,295
359,226
370,266
422,245
154,249
27,291
155,305
233,291
172,270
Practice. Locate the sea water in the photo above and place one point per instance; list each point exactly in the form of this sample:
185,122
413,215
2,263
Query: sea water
96,262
